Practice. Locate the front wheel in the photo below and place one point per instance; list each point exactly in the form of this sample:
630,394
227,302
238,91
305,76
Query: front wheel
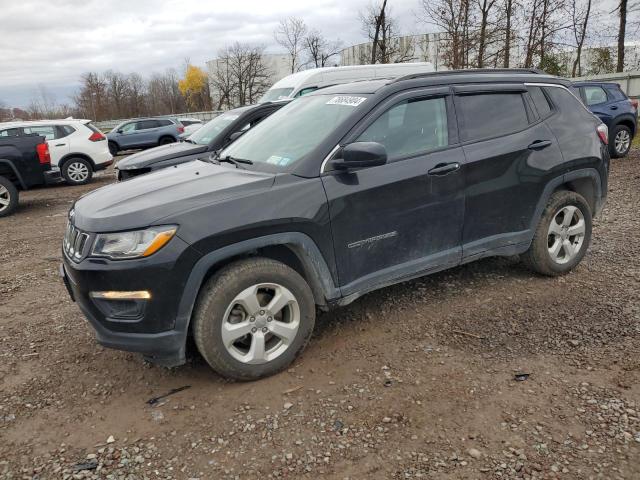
8,197
77,171
562,236
253,318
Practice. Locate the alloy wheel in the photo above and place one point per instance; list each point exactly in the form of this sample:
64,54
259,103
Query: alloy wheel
5,198
78,172
622,141
261,323
566,234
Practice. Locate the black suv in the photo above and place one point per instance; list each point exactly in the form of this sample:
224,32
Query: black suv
341,192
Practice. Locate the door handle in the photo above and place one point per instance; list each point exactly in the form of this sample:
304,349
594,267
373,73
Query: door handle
539,144
60,144
444,168
613,107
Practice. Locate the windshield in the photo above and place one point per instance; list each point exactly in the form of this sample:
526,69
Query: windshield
210,130
293,131
274,94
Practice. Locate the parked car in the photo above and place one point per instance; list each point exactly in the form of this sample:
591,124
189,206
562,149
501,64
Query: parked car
216,134
339,193
144,133
78,148
620,113
190,126
307,81
25,162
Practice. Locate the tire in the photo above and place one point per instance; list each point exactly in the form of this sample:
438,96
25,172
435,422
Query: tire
545,255
166,140
620,141
218,305
113,148
8,197
77,171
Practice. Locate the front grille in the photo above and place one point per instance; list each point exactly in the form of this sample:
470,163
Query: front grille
75,243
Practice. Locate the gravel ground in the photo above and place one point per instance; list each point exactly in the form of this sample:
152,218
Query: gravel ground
414,381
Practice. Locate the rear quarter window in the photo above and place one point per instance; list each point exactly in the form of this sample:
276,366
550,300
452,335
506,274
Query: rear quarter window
567,103
164,123
506,111
540,101
616,92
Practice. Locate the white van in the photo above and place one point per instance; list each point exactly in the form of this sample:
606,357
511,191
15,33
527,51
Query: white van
306,81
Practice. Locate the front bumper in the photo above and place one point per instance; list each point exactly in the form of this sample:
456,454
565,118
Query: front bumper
155,332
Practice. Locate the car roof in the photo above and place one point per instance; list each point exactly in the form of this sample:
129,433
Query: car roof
24,123
446,77
584,83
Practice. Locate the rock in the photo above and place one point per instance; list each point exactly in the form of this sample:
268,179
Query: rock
111,439
386,420
475,453
288,405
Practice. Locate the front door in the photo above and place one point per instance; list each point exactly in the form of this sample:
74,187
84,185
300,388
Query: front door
405,217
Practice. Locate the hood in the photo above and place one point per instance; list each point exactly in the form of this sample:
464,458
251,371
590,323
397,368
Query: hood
148,199
159,154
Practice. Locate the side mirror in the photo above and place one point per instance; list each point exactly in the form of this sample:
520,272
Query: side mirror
361,155
119,131
235,135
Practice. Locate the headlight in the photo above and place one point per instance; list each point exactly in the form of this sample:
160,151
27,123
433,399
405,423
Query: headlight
135,244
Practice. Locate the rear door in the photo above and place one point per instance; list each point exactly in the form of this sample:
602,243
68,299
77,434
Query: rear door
510,154
147,133
58,145
405,217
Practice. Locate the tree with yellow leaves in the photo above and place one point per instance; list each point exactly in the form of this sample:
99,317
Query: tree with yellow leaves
195,88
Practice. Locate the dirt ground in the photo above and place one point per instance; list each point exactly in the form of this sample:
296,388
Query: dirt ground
414,381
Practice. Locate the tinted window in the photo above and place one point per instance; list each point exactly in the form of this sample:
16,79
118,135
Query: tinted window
594,95
540,101
10,132
410,127
147,124
616,93
47,131
65,131
570,106
492,114
163,123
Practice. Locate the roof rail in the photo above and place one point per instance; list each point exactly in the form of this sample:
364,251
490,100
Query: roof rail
410,76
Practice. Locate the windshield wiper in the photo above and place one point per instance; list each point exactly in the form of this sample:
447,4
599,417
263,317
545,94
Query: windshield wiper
235,161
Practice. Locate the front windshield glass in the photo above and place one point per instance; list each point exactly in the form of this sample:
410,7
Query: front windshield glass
210,130
274,94
285,137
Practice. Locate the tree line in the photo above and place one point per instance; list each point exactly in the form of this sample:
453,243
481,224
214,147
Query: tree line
548,34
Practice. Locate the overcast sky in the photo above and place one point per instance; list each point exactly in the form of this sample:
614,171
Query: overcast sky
53,42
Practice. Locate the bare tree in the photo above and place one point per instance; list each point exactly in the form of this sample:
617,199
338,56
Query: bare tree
290,34
319,49
579,24
508,32
453,18
485,7
381,28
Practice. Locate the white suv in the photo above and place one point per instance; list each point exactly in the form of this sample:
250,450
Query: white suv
77,147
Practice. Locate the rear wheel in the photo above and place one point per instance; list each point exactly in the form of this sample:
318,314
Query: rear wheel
77,171
562,236
166,140
620,141
253,318
8,197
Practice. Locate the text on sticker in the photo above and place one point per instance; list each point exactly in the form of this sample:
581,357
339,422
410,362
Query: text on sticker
346,100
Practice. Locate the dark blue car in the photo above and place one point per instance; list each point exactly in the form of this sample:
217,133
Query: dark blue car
608,102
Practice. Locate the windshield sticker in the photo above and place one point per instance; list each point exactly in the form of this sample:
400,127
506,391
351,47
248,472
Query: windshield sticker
278,160
346,100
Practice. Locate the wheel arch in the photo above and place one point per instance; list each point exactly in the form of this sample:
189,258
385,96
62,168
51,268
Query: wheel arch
8,170
71,156
294,249
627,121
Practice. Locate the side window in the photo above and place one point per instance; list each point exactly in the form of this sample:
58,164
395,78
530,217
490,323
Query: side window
147,124
65,130
506,111
616,93
163,123
128,127
10,132
540,101
567,103
47,131
412,126
595,95
304,91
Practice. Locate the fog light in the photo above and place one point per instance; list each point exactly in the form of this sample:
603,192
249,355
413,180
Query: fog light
116,295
